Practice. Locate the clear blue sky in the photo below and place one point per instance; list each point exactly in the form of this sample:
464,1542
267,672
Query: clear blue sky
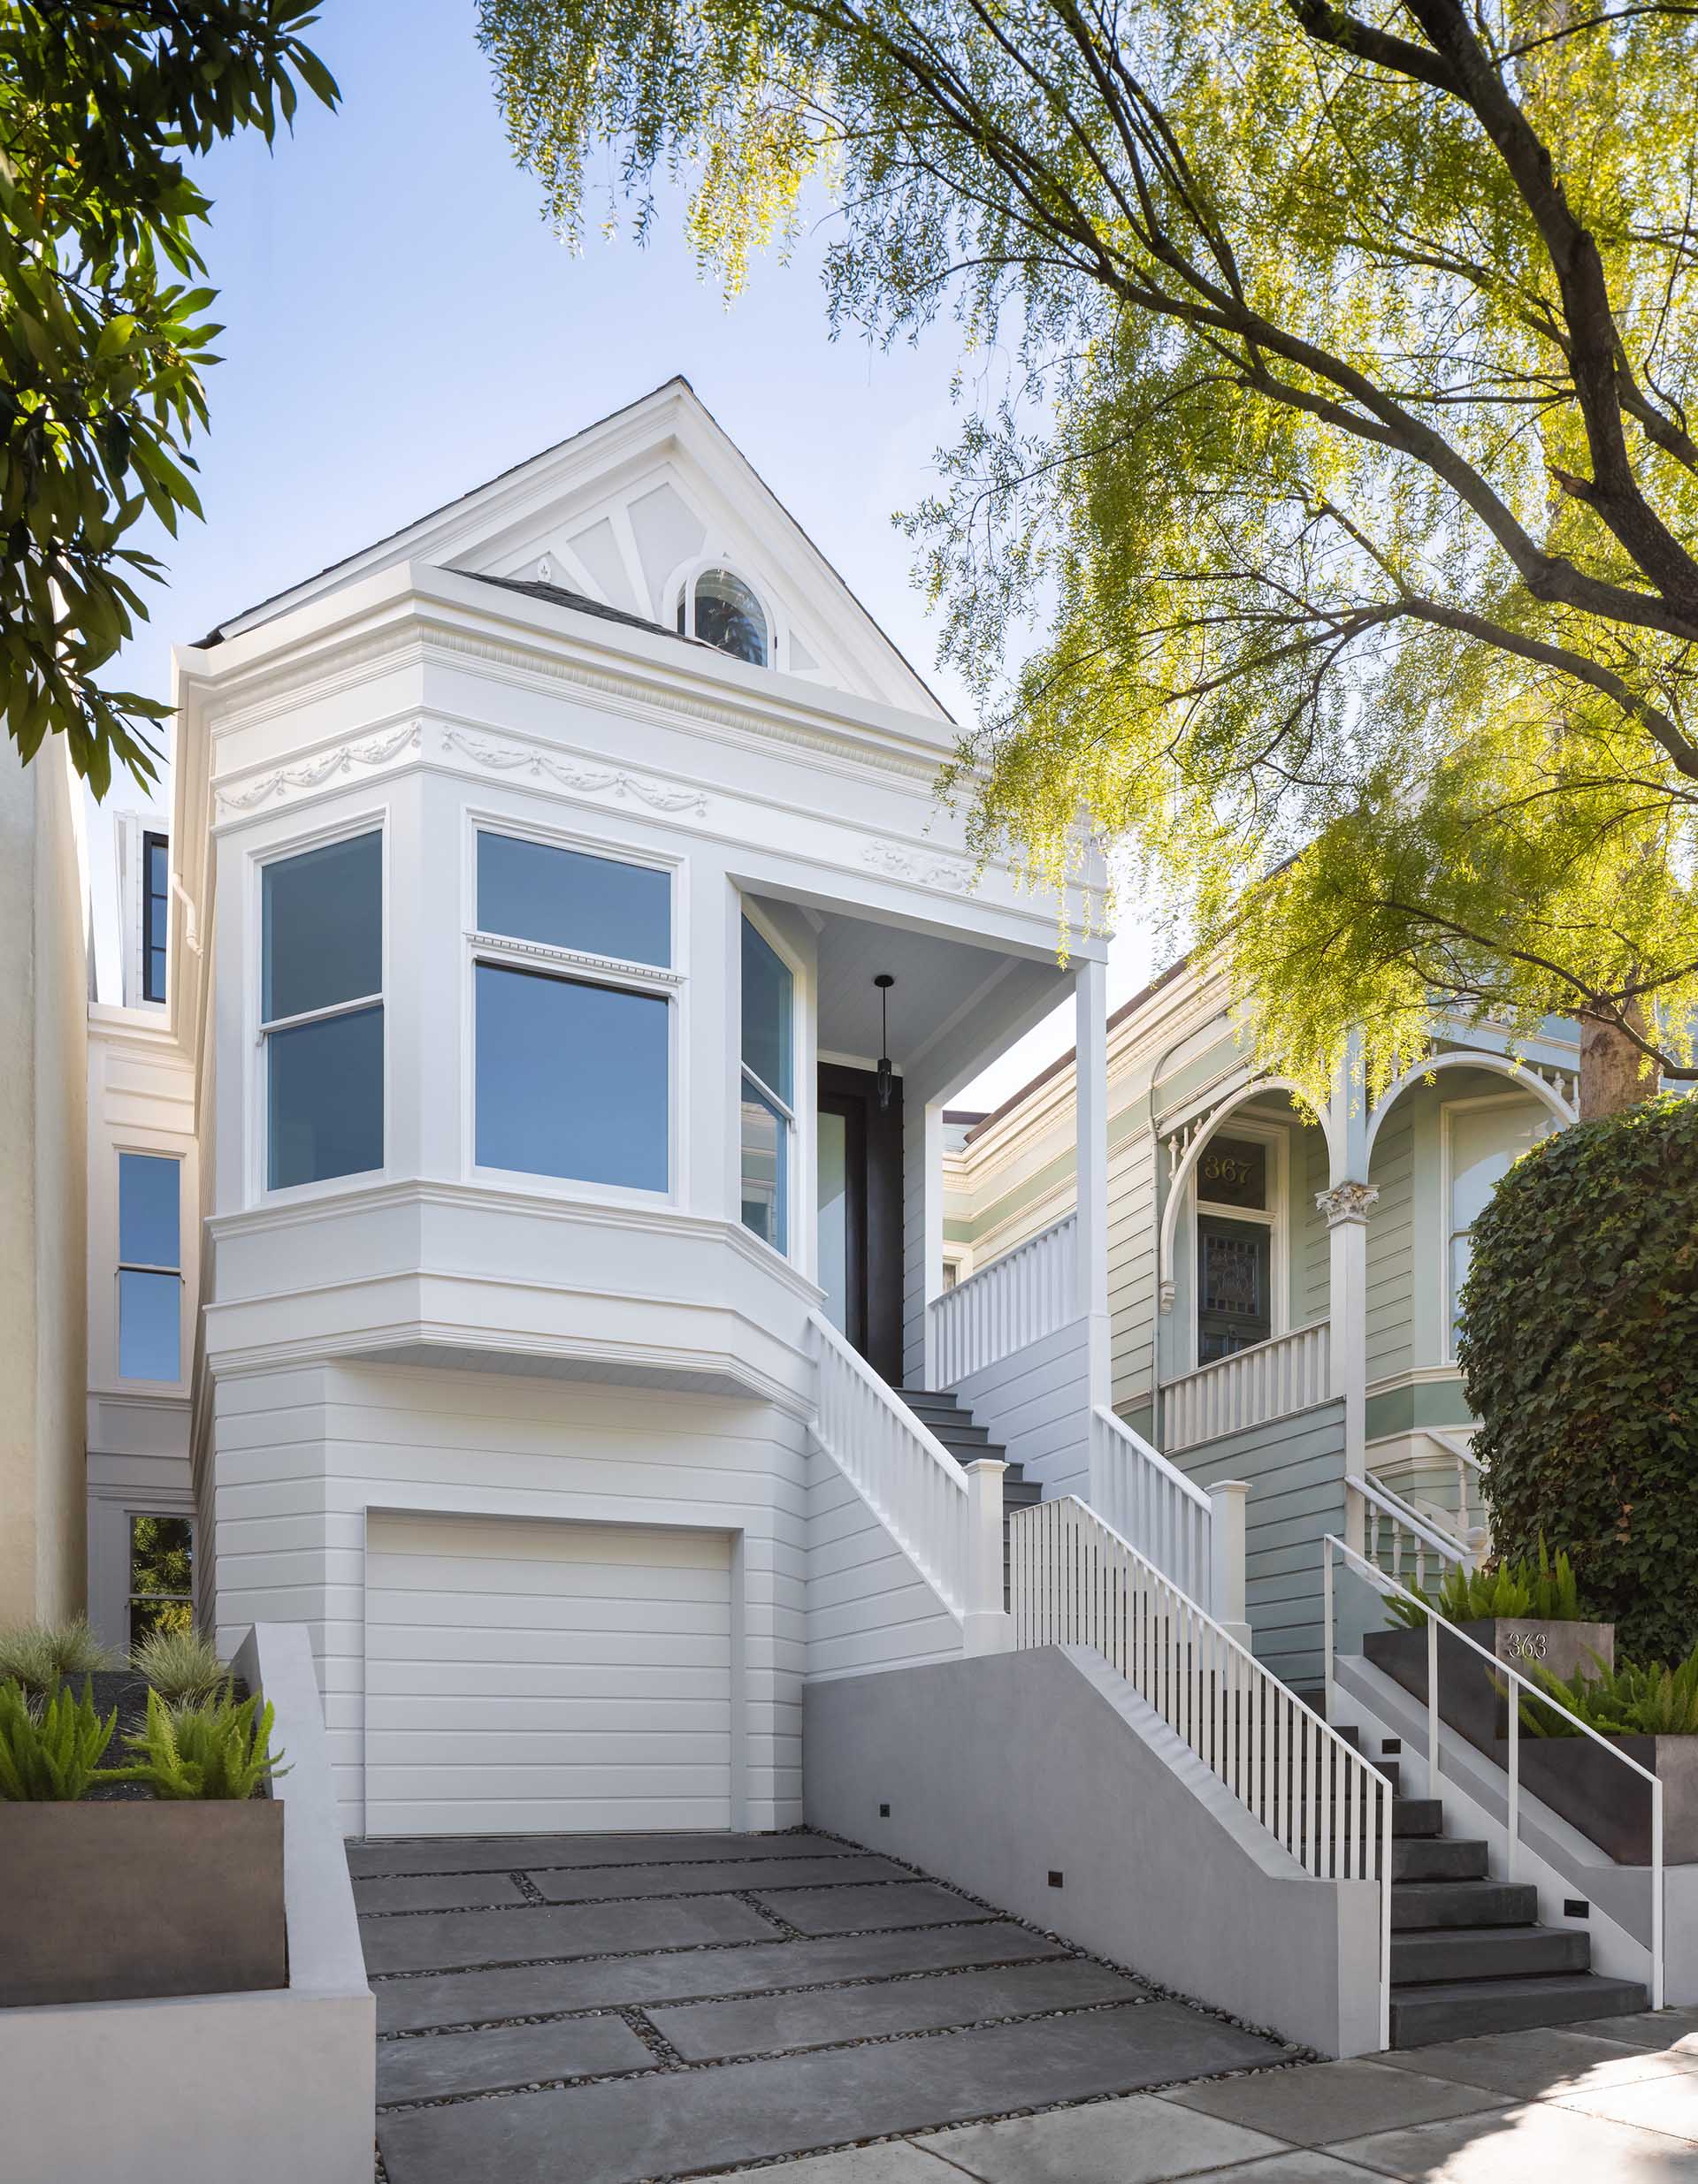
401,324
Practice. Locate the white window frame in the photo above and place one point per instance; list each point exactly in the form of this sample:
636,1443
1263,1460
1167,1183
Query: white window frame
298,845
579,967
1273,1217
797,1234
120,1379
682,590
1448,1233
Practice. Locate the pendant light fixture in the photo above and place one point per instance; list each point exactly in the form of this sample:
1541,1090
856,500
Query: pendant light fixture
884,983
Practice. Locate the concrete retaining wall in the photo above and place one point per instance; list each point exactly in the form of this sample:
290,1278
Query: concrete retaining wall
269,2087
1003,1768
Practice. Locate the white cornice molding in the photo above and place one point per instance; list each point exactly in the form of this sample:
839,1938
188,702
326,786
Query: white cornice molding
363,754
500,756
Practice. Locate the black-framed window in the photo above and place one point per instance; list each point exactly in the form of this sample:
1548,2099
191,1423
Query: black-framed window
162,1575
155,914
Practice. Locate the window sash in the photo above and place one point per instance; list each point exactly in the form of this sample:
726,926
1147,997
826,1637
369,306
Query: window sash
318,1016
489,930
155,915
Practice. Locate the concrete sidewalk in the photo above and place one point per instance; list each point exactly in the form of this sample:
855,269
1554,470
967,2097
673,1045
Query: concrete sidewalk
1612,2103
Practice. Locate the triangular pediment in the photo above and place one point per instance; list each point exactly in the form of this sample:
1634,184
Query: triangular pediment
628,512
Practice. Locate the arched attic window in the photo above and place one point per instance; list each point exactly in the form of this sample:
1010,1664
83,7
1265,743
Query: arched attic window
721,609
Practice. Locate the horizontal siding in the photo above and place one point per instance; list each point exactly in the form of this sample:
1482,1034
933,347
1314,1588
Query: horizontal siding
1295,1469
868,1605
1132,1270
301,1456
1311,1257
1391,1248
1037,1403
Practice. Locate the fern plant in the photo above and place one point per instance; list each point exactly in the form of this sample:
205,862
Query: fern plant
52,1754
1545,1592
216,1751
38,1655
1645,1699
181,1665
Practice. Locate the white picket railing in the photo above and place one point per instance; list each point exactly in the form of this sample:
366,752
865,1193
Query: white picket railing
1073,1581
1018,1299
1521,1689
900,1470
1151,1502
1397,1537
1267,1381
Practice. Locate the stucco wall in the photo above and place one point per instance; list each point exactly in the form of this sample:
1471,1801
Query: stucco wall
1001,1769
43,1036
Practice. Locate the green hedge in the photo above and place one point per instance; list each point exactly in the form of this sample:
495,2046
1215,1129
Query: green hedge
1580,1353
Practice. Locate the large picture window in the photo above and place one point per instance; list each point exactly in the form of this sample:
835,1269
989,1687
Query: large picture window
149,1268
321,1011
573,1066
768,1117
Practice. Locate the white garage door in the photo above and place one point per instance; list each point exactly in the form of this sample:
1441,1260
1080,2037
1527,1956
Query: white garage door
524,1677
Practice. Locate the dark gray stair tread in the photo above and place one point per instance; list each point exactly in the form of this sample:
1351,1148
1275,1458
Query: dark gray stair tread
1460,2009
452,1940
712,2031
1417,1816
1469,1952
1426,1904
506,2055
1436,1857
688,1975
623,2129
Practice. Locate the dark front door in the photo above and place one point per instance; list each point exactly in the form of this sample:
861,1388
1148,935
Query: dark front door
1234,1263
860,1213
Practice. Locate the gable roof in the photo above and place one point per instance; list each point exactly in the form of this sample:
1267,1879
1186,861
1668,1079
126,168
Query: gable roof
670,415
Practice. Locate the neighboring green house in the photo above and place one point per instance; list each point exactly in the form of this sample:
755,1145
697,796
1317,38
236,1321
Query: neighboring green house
1282,1286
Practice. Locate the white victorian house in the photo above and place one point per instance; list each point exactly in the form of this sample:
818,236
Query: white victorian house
532,1247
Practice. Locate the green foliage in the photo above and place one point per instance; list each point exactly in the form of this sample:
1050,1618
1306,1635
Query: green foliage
1580,1353
54,1755
104,329
1324,517
38,1654
1542,1591
218,1749
180,1665
1649,1700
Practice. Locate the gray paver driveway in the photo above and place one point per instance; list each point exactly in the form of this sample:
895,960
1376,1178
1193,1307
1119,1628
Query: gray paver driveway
623,2009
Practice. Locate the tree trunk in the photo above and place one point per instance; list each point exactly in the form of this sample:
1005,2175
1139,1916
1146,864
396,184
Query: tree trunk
1614,1072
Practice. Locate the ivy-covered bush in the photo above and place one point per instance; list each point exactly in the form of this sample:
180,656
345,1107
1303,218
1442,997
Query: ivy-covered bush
1579,1354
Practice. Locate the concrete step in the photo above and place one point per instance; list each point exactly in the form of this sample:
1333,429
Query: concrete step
1436,1857
1469,1952
1418,1905
1417,1816
1459,2010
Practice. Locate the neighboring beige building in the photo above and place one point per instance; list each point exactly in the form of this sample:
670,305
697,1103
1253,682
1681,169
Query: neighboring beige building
45,973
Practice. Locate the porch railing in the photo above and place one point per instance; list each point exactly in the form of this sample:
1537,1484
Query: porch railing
1395,1537
1521,1689
947,1521
1075,1581
1018,1299
1444,1486
1151,1502
1292,1372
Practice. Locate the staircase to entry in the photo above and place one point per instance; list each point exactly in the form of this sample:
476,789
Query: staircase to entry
1468,1955
947,1417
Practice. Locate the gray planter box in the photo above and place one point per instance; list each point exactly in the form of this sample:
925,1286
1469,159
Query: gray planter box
1472,1701
1610,1806
123,1899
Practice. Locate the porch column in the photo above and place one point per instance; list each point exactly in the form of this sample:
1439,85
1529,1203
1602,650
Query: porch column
1091,1107
931,1185
1345,1204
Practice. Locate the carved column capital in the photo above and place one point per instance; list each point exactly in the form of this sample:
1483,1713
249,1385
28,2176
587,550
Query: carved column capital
1346,1201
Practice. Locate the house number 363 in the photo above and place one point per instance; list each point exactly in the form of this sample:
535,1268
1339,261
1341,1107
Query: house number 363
1524,1645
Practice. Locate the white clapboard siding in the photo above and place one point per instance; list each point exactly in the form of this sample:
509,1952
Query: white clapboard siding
533,1676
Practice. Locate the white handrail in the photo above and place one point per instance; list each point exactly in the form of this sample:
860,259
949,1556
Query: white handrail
1467,1462
1269,1380
1436,1623
1018,1299
1408,1533
1151,1502
898,1466
1075,1581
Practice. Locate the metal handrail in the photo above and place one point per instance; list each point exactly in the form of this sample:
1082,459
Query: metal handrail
1378,1579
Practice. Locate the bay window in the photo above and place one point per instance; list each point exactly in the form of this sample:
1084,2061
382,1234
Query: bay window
573,1002
768,1117
321,1011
